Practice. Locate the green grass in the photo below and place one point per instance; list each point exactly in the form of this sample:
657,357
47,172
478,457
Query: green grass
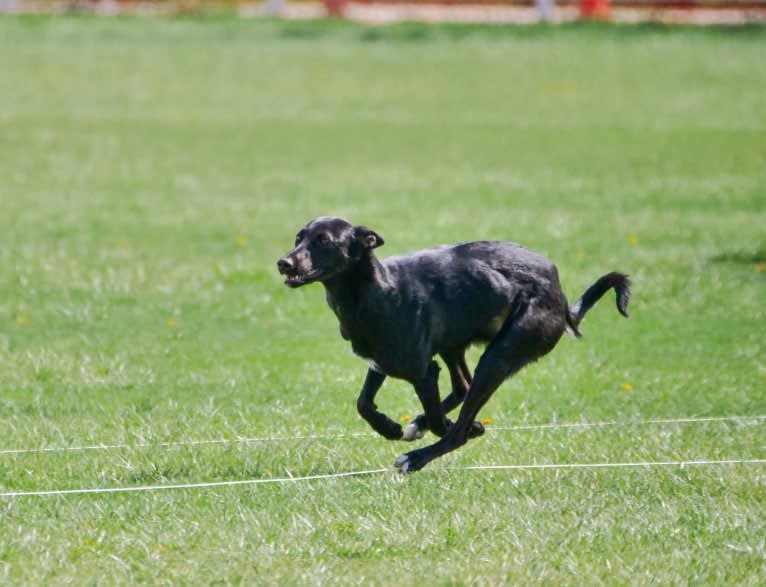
153,171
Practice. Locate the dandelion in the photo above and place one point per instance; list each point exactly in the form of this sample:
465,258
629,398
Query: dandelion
632,240
406,418
241,240
627,386
170,322
487,421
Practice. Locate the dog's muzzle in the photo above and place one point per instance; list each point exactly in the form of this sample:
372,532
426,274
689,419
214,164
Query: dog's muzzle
293,275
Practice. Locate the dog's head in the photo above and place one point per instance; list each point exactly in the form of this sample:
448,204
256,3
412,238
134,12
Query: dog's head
324,248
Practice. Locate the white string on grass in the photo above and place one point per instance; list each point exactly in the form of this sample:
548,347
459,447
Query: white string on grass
656,421
346,474
327,436
181,443
625,465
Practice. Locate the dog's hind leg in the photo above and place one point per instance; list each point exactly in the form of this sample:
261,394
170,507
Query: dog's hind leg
460,378
381,423
490,373
525,337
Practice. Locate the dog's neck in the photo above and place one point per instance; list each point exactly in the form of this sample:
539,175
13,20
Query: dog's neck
346,290
356,295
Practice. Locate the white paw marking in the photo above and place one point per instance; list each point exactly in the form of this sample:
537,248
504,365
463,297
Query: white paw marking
402,463
412,432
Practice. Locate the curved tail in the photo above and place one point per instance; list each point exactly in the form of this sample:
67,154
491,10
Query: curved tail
617,281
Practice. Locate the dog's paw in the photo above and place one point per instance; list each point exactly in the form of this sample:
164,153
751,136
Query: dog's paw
411,461
402,463
419,426
394,432
413,432
405,464
476,429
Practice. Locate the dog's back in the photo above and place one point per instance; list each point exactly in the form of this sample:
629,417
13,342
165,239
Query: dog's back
468,290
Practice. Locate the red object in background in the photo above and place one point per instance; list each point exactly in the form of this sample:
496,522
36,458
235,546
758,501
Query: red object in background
595,9
334,7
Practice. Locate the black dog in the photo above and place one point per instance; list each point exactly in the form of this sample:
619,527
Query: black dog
399,313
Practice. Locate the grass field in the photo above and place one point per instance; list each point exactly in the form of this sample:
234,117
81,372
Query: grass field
153,171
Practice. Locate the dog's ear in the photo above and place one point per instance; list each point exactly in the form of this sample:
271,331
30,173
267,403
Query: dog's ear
368,238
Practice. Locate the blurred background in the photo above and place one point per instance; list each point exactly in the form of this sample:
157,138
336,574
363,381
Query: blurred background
464,11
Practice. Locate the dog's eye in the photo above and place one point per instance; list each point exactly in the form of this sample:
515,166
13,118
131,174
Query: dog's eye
298,238
322,239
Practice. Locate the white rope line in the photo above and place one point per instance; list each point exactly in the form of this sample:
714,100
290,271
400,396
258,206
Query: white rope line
140,488
292,479
180,443
681,464
254,439
656,421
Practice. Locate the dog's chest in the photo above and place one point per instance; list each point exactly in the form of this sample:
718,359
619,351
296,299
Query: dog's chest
361,342
367,340
357,325
374,334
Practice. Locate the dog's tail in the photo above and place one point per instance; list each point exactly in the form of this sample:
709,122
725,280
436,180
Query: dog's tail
621,285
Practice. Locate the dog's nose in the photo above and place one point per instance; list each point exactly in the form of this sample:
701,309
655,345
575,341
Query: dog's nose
285,264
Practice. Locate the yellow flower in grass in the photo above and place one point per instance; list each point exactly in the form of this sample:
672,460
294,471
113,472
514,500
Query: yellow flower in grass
405,418
241,240
627,386
170,322
632,240
760,267
487,421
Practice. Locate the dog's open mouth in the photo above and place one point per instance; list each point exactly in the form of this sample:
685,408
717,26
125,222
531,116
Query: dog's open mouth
295,279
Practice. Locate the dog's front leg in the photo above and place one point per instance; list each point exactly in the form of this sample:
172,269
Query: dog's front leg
433,416
381,423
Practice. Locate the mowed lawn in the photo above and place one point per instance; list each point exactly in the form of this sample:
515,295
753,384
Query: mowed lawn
151,173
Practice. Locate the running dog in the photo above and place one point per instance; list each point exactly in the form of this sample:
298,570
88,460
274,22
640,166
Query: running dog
402,312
